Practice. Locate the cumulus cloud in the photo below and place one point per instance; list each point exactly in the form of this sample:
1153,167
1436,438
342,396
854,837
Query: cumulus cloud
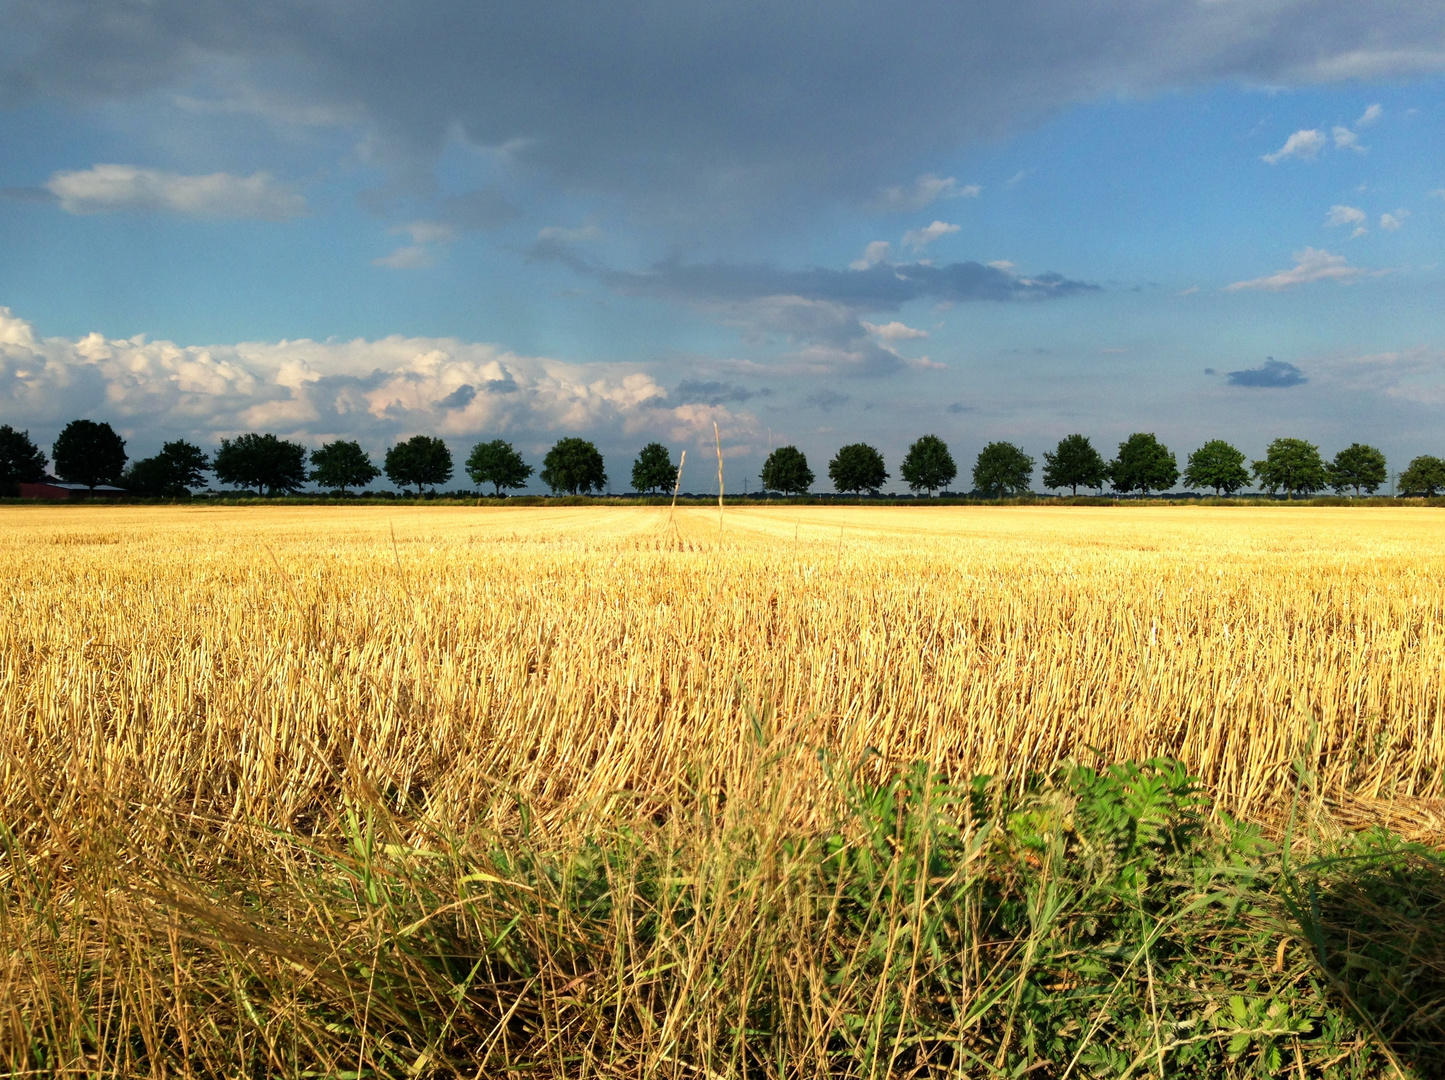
711,392
1311,264
109,188
409,257
1302,144
918,239
1391,222
895,331
1369,116
1272,374
878,251
1344,215
375,391
1345,139
926,189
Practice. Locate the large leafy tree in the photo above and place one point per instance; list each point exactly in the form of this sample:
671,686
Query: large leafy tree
858,467
21,461
574,466
173,472
653,470
928,465
1294,465
1360,467
498,464
786,470
1216,465
1002,469
1424,476
423,460
261,461
342,464
1073,462
1144,464
89,453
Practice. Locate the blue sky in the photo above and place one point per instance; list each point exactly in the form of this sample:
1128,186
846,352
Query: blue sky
808,224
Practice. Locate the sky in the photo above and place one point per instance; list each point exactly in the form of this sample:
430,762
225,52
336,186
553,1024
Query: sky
809,224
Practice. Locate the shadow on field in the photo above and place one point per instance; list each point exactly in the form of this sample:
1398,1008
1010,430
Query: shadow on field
1375,918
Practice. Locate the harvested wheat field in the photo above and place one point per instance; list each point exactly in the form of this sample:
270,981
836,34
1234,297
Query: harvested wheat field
585,791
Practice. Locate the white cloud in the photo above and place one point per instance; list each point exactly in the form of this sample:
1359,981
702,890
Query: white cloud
1311,265
918,239
1360,231
927,189
410,257
426,232
1369,116
1302,144
876,252
1391,222
374,391
1344,215
895,331
1438,193
1345,139
1004,265
108,188
1188,292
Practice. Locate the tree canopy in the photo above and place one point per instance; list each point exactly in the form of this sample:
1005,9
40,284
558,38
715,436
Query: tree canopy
1216,465
574,466
423,460
1360,467
496,463
1074,462
342,464
653,470
261,461
928,465
1294,465
786,470
88,453
1002,469
1144,464
1424,476
858,467
21,461
172,472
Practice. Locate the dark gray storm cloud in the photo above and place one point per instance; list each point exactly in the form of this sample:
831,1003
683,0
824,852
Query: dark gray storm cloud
693,108
1271,374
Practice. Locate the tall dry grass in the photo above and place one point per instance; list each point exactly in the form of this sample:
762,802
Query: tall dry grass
194,700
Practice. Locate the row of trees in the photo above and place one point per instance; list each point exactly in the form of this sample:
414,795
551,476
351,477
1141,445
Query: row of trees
1143,464
92,453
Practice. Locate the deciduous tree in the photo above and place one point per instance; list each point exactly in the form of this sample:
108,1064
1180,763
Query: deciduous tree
574,466
1360,467
1074,462
261,461
88,453
173,472
21,461
786,470
858,467
1424,476
496,463
423,460
1216,465
342,464
928,465
1144,464
653,470
1294,465
1002,469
